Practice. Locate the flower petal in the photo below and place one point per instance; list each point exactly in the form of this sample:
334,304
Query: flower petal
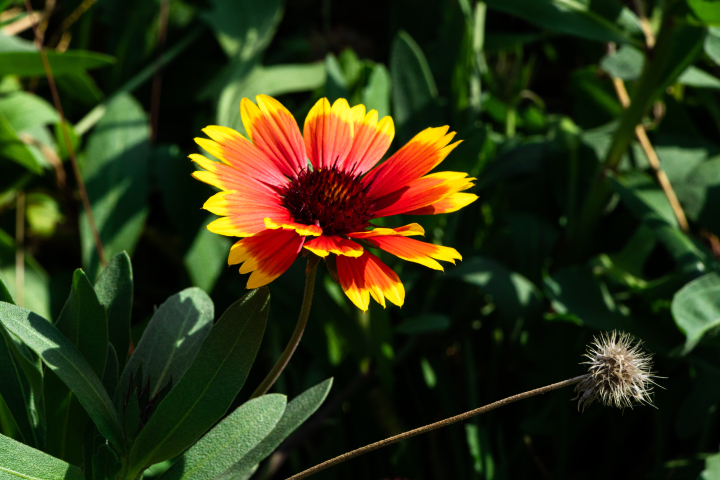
367,276
406,231
371,140
328,133
267,255
325,245
249,223
273,129
415,251
245,158
422,192
301,229
420,155
451,203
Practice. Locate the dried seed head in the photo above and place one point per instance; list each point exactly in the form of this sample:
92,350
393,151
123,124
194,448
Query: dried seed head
619,374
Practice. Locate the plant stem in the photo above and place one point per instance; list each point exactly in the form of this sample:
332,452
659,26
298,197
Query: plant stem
296,336
435,426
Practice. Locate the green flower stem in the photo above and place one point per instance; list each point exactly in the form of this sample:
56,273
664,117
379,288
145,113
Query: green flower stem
435,426
294,340
649,86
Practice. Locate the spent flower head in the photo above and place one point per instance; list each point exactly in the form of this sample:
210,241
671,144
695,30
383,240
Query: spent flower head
620,372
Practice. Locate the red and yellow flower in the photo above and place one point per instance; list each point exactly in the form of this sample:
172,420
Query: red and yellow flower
280,204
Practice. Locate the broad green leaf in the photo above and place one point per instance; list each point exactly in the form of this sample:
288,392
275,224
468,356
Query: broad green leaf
573,17
699,193
20,57
712,468
81,87
171,341
648,203
24,110
376,94
82,321
111,376
712,44
625,63
515,295
576,294
414,95
209,386
229,441
694,77
708,11
18,461
116,177
13,148
336,85
244,28
687,44
296,412
273,81
696,308
105,464
64,359
114,289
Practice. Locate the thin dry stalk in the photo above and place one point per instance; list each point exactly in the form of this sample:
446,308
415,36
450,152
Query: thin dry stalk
68,143
70,19
663,180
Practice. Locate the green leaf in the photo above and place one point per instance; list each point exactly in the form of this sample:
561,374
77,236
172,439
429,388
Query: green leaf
414,91
648,203
13,148
376,94
712,44
116,177
694,77
625,63
712,468
696,308
105,464
708,11
229,442
297,411
20,57
64,359
244,28
114,289
112,371
18,461
81,87
573,17
15,390
209,386
24,110
576,294
273,81
171,341
84,323
515,295
35,289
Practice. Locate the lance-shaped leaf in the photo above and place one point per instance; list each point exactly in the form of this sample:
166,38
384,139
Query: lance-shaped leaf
64,359
295,415
18,461
15,389
209,386
84,323
170,341
114,289
230,440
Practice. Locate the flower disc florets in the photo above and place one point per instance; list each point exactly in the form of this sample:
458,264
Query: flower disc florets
334,200
619,374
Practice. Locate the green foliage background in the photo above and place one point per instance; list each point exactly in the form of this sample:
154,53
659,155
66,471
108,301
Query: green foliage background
527,86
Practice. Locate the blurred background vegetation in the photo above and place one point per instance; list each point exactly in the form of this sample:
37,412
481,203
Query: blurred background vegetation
556,249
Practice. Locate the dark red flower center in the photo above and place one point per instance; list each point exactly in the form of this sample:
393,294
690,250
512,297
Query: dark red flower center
333,200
